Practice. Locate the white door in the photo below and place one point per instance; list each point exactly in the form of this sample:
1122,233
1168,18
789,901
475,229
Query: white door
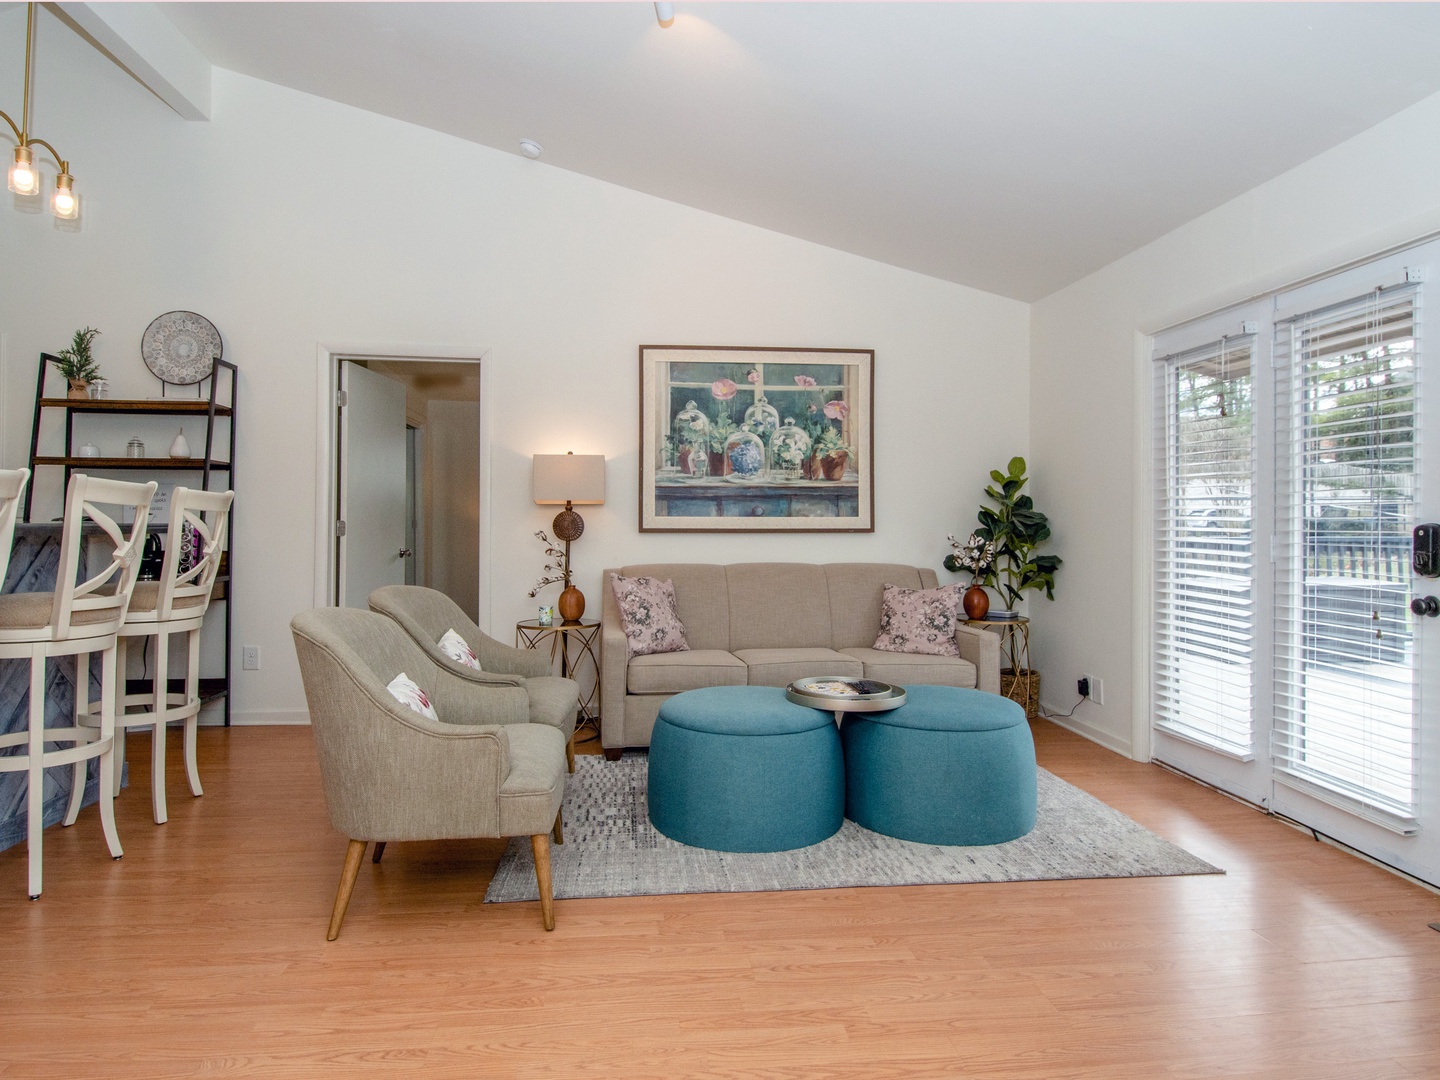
1293,460
371,549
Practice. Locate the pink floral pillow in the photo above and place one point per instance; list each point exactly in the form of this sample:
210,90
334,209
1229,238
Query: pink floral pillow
919,621
649,615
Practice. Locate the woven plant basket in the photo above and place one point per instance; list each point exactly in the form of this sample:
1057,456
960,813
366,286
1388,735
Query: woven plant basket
1022,688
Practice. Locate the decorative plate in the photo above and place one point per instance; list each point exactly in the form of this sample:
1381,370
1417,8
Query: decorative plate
181,347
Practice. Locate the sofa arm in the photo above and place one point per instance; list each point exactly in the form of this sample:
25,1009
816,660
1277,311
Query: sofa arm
981,648
615,665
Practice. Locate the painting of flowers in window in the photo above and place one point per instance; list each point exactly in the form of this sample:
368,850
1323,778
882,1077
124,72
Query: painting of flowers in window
756,439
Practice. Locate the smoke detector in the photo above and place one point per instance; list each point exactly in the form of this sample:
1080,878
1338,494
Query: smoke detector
531,149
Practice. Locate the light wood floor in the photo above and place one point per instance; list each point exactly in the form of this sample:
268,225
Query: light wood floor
203,952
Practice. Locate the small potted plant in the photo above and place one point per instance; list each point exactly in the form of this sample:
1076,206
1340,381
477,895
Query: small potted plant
830,456
77,363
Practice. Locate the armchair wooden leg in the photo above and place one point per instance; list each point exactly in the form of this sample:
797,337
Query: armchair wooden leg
379,850
353,854
612,753
540,846
570,754
558,832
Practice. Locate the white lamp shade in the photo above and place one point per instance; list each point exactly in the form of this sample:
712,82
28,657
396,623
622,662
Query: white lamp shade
573,478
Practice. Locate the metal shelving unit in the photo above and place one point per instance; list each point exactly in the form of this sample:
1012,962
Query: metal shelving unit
211,409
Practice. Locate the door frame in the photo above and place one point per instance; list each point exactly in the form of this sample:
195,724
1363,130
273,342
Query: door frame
327,385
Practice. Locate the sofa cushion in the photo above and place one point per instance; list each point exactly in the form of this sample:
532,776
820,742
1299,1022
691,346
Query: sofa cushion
776,605
673,673
855,594
919,621
701,597
917,669
779,667
648,615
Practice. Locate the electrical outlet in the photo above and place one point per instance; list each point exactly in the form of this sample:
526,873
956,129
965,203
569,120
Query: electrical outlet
1091,687
250,658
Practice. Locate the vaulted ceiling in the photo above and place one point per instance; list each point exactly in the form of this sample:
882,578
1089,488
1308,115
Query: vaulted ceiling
1011,147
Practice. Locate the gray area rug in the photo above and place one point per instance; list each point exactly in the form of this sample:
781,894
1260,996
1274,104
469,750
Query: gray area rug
611,849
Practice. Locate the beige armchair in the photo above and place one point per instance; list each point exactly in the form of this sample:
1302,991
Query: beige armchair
391,774
543,698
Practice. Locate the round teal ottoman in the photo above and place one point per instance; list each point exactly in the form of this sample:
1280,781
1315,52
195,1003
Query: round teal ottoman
950,766
739,768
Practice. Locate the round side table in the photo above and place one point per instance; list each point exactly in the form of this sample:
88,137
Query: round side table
574,644
1017,681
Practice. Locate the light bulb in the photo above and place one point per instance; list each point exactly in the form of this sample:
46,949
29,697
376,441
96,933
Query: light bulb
64,203
24,180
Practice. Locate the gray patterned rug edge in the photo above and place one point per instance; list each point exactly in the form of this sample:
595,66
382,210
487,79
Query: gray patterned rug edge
611,849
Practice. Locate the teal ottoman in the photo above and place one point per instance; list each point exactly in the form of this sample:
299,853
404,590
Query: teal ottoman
740,768
950,766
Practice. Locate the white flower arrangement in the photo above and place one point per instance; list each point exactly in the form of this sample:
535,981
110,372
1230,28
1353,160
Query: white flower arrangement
555,571
974,554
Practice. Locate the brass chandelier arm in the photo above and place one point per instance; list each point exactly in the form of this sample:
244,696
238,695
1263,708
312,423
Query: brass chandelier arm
64,165
20,135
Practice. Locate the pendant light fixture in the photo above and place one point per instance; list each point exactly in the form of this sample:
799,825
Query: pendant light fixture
24,178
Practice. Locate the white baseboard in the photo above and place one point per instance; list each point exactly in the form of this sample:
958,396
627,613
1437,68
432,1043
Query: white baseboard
1094,734
270,718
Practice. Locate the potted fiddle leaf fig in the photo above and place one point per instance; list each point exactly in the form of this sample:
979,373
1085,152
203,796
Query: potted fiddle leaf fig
78,364
1016,529
1008,533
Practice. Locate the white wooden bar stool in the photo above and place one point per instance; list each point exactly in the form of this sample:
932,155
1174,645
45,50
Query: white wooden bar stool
176,604
74,620
12,491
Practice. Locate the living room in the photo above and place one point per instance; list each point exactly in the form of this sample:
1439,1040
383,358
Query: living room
301,225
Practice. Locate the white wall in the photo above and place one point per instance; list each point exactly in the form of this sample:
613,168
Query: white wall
289,221
1090,383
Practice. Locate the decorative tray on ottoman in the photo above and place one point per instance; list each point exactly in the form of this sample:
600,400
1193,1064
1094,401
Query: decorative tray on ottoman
841,693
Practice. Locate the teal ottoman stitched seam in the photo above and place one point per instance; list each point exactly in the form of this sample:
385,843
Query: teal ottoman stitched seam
952,766
769,779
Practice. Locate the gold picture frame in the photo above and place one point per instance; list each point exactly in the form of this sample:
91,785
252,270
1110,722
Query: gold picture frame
756,439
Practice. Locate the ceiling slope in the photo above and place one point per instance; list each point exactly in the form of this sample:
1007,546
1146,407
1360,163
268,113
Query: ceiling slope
1013,148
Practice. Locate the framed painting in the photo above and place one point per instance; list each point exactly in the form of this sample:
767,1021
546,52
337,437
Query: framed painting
739,439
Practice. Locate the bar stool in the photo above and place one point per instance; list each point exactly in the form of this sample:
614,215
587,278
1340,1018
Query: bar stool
12,490
176,604
74,620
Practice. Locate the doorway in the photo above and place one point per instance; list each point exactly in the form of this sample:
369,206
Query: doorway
407,478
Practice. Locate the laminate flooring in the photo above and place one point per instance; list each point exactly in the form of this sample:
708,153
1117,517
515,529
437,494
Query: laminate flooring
203,953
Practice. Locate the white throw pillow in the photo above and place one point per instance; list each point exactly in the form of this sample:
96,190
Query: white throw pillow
458,649
403,689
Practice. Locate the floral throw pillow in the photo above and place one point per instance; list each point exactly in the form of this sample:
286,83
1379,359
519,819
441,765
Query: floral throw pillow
403,689
919,621
649,615
458,649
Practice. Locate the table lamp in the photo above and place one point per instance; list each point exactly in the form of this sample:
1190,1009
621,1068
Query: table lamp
570,479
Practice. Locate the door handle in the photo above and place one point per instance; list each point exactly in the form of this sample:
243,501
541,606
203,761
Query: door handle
1425,605
405,553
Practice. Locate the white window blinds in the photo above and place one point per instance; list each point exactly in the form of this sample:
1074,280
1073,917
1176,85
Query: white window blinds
1344,724
1204,556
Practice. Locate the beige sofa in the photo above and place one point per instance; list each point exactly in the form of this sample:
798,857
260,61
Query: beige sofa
767,624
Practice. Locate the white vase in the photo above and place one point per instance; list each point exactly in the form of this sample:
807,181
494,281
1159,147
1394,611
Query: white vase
180,447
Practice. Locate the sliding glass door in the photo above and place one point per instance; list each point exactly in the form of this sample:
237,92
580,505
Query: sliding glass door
1293,460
